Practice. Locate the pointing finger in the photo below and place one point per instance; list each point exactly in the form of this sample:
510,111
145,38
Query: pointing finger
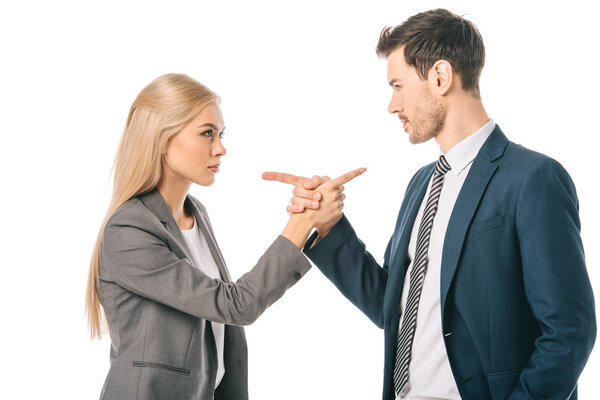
347,177
282,177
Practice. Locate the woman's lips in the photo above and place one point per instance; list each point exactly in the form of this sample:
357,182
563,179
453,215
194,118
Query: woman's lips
214,168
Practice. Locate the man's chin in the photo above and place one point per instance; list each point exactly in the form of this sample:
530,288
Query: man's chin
414,139
411,137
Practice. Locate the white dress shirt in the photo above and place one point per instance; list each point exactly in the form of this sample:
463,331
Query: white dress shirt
204,261
429,373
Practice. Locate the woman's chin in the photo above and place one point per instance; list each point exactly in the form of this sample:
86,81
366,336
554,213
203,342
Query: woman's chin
207,181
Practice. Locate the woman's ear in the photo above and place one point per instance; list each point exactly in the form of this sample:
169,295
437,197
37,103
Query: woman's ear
440,77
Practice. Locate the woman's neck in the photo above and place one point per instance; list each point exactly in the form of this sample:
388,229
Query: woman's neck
174,191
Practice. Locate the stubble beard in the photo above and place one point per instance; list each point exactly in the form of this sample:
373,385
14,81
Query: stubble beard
428,122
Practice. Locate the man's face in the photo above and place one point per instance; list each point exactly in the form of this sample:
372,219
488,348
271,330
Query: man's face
421,114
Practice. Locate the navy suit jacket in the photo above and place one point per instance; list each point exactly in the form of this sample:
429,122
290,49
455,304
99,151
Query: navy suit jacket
517,306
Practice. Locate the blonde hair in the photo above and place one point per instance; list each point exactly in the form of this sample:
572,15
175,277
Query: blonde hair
160,111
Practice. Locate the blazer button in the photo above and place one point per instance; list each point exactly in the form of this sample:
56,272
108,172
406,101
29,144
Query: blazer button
297,275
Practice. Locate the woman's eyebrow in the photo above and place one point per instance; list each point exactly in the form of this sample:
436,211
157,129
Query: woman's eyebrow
216,128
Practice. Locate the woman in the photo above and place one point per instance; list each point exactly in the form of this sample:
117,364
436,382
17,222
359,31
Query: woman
173,313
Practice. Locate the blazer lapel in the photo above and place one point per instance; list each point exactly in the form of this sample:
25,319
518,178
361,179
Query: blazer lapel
407,224
399,252
156,203
470,195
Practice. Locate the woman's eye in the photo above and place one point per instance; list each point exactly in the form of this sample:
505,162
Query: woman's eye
207,133
221,135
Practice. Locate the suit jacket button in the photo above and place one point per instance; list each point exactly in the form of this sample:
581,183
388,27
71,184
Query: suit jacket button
297,275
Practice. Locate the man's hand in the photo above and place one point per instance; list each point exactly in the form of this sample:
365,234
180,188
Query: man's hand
304,194
307,190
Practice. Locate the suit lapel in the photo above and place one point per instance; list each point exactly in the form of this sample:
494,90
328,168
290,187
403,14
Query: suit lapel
480,174
156,203
399,252
407,224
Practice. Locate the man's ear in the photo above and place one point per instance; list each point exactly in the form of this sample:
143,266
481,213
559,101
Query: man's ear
440,77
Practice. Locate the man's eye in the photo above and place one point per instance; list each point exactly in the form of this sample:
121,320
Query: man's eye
207,133
397,88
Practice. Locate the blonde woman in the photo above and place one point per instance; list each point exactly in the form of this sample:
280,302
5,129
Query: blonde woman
174,316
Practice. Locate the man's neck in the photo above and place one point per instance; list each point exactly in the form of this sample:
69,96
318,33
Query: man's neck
465,117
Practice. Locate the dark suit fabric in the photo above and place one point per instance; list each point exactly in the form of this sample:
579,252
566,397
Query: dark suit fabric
517,305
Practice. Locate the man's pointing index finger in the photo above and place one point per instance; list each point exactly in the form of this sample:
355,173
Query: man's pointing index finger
347,177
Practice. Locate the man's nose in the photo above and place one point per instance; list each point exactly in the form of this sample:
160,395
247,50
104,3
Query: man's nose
394,106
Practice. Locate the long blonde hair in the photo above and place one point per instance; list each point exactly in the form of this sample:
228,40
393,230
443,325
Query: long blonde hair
160,110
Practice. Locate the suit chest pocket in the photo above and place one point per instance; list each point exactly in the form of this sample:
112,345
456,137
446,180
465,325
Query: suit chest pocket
486,225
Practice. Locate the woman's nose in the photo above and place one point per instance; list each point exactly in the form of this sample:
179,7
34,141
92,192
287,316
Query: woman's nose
218,148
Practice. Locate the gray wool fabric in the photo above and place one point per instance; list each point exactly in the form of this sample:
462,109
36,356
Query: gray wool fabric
159,307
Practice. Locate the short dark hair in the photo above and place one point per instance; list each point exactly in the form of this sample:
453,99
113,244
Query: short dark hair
436,35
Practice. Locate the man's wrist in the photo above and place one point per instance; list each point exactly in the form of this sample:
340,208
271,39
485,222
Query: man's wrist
323,230
317,240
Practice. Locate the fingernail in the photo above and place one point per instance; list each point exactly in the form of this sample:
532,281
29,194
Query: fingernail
316,196
315,204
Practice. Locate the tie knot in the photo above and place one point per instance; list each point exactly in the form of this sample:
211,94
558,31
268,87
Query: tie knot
442,166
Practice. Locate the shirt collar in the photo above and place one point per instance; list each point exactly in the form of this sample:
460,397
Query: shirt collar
466,150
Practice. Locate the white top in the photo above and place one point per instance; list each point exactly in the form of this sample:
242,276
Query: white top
429,373
203,260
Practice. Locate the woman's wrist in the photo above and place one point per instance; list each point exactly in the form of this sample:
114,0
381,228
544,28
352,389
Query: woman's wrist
297,229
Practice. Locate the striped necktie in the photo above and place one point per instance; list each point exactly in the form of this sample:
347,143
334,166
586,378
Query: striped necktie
417,278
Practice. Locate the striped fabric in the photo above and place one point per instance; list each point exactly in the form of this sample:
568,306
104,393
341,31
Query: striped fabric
417,278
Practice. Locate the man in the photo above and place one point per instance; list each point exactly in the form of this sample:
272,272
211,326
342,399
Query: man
484,292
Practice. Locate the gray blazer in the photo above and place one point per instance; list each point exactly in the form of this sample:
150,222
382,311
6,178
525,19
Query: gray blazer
159,307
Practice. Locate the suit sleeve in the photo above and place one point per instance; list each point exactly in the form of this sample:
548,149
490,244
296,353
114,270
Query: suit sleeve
343,259
556,282
139,261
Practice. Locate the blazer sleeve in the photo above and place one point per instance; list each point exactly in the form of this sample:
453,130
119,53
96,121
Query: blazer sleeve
556,282
138,260
343,259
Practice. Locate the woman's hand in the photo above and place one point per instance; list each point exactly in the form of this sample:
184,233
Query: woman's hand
305,195
304,213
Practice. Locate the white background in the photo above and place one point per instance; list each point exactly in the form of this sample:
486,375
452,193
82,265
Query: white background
303,92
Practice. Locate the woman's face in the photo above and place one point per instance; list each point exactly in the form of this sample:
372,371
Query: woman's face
193,154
